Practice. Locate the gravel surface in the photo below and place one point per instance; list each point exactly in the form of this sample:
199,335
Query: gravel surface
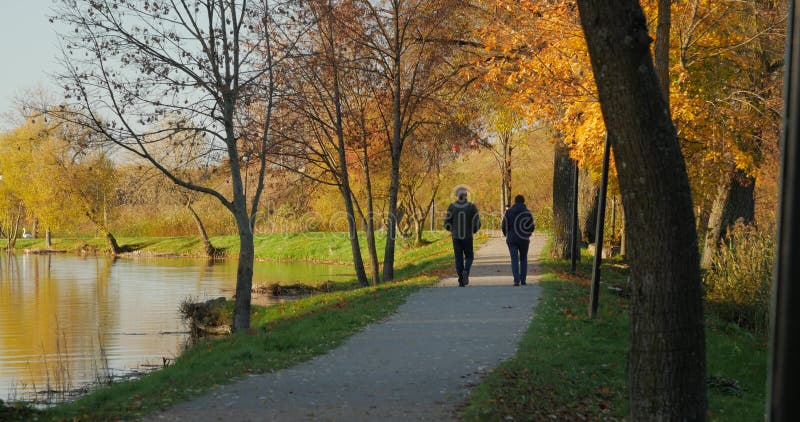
418,365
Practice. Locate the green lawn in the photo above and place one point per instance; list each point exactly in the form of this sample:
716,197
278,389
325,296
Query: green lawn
569,366
329,247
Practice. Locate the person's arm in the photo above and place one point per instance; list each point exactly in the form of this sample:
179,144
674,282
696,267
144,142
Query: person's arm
504,223
448,219
476,223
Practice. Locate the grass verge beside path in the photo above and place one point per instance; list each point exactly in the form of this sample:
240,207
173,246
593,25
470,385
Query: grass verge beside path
281,336
569,367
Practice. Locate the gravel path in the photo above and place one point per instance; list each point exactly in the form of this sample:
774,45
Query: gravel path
418,365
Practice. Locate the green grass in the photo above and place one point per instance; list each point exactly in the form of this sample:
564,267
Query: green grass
281,336
327,247
569,366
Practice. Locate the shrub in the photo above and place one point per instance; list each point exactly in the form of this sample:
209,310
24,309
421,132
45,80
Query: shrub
739,282
213,316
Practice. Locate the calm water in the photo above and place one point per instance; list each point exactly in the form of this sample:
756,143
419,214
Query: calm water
59,315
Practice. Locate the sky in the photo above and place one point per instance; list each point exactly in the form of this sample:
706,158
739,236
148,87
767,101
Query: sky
28,51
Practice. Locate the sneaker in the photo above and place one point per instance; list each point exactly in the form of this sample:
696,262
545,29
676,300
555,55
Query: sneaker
466,278
461,280
516,283
522,282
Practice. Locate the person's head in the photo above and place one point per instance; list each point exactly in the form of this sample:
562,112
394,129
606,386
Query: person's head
519,199
461,193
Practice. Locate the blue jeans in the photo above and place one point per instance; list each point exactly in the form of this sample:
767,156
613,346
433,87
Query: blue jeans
464,254
519,260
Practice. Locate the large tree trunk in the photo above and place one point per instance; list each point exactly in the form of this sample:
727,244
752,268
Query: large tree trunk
207,246
667,356
562,201
735,200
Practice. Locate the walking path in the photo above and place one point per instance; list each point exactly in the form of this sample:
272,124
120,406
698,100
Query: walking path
418,365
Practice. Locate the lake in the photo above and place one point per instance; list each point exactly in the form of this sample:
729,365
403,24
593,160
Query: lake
64,319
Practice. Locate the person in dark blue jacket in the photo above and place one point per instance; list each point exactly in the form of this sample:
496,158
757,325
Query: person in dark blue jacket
462,221
517,228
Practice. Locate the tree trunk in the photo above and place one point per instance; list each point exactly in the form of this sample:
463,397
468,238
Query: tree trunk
588,201
714,229
396,149
369,219
207,246
47,239
13,230
112,241
741,201
505,168
370,224
661,49
244,271
355,247
562,201
35,229
394,187
667,356
734,200
373,249
344,176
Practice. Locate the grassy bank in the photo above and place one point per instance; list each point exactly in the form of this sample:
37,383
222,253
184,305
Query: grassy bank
281,336
329,247
569,367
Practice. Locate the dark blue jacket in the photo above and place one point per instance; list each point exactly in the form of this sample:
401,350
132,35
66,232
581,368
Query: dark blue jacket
518,224
462,220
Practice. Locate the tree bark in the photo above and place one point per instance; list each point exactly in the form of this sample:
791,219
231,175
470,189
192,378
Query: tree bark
394,183
244,271
661,49
369,219
667,356
47,239
506,169
588,201
562,201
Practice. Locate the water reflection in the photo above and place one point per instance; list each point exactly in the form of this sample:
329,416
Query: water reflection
63,319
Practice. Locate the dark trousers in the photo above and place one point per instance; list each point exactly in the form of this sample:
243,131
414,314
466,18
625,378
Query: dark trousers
464,254
519,259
